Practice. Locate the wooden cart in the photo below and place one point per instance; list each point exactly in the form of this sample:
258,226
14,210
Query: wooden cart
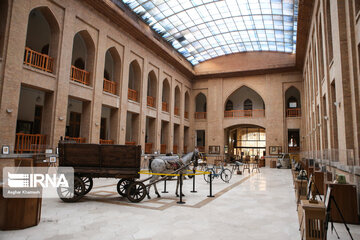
101,161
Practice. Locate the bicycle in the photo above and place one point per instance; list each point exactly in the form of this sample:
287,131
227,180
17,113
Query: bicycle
225,174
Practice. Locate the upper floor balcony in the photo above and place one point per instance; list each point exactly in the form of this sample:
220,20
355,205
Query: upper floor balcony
38,60
200,115
255,113
293,112
150,101
132,95
80,75
109,86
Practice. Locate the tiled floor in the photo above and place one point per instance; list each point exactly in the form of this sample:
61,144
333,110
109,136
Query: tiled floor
256,206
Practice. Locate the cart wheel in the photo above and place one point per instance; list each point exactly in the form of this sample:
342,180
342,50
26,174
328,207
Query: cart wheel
72,195
207,176
122,186
136,192
226,175
88,184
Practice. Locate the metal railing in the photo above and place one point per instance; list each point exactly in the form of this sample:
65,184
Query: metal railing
245,113
109,86
333,157
38,60
30,143
79,75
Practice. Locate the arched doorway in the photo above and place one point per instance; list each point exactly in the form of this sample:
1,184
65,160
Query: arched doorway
292,102
246,140
200,106
83,55
41,39
112,71
244,102
134,81
151,89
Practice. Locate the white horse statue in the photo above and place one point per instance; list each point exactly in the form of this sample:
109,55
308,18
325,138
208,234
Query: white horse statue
169,165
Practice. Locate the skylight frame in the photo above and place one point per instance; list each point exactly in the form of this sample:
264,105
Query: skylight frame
220,27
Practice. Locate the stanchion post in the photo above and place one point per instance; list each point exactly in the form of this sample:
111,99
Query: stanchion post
194,191
211,185
165,187
181,201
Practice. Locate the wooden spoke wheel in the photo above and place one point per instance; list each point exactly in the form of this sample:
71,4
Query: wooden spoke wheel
122,186
136,192
88,184
72,194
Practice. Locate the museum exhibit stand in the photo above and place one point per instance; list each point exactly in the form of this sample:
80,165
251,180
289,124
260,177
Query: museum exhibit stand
313,219
19,213
345,196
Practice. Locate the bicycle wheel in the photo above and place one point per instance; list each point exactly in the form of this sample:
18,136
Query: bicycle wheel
226,175
207,176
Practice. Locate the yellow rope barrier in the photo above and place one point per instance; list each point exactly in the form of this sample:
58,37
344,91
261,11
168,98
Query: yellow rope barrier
197,172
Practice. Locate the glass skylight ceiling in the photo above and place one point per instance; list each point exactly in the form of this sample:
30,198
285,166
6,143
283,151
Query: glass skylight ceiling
204,29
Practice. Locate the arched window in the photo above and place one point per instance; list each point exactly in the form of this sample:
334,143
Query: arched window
247,104
229,106
292,102
79,63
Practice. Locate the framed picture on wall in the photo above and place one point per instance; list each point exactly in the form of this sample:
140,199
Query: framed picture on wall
275,150
214,149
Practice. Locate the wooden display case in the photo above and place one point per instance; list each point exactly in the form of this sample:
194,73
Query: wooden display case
346,198
313,218
319,181
300,189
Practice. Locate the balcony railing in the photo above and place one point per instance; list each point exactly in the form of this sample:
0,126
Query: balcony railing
130,143
185,149
76,139
255,113
132,95
29,143
163,148
176,111
150,101
164,106
201,148
200,115
186,115
38,60
293,112
104,141
293,149
175,149
148,148
109,86
79,75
